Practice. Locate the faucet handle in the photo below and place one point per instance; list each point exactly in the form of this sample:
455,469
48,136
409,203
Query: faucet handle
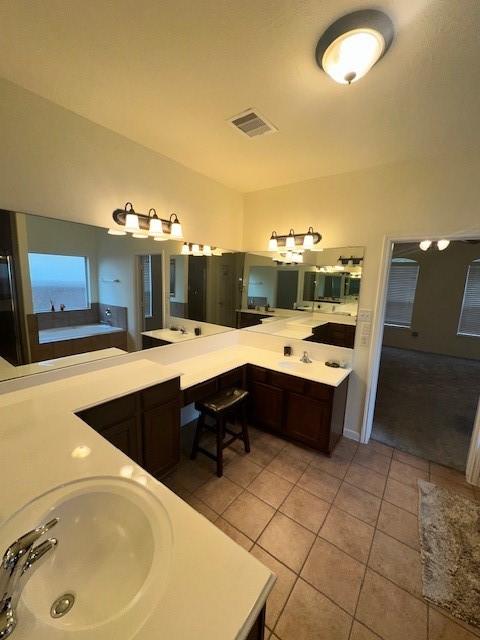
24,544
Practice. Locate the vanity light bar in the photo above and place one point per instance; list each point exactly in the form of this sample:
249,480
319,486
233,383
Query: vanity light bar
143,225
307,240
195,249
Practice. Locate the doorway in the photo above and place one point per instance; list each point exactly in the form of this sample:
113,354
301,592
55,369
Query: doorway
429,375
287,289
151,292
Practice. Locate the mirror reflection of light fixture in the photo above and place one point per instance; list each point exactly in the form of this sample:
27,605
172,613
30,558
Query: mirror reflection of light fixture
425,245
176,227
139,235
185,249
290,240
308,239
196,250
217,252
207,250
272,243
442,244
116,232
353,44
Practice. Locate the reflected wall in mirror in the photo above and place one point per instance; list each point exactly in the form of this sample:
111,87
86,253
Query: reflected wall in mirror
71,293
316,300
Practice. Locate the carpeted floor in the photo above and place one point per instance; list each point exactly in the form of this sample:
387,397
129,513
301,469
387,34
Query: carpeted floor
426,404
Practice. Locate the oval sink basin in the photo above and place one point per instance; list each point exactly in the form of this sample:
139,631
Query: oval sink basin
113,554
292,364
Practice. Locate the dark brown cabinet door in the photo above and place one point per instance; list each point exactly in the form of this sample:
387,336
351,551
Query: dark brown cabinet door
308,421
266,405
161,438
124,436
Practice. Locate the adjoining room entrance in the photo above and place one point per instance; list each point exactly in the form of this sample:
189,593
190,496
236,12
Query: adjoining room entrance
429,378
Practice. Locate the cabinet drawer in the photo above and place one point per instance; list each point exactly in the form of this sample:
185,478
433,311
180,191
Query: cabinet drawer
160,393
232,378
113,412
286,382
200,391
257,374
319,391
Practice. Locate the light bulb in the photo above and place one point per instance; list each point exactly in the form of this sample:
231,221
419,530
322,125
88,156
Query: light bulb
207,250
117,232
131,222
155,227
185,249
290,240
272,243
442,244
308,239
176,227
351,56
425,245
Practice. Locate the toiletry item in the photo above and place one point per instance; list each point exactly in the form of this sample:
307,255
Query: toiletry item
287,350
198,331
52,308
333,363
62,307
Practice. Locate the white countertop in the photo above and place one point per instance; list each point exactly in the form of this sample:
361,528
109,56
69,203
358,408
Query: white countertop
39,432
169,336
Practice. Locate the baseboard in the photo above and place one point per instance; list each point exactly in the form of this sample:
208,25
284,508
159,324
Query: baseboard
353,435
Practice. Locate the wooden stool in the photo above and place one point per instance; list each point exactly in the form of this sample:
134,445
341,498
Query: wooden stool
220,407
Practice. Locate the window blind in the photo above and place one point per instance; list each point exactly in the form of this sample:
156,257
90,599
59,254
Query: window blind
469,324
147,286
402,284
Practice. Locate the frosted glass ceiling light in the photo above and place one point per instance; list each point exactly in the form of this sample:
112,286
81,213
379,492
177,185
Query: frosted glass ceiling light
217,252
176,228
155,227
425,245
351,46
131,222
196,250
207,250
290,240
272,243
442,244
185,249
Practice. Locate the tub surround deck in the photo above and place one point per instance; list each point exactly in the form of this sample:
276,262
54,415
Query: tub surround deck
58,334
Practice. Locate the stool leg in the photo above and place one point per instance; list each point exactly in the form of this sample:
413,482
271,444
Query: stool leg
246,438
220,428
198,433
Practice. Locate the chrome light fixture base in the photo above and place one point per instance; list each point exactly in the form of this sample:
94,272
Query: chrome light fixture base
143,225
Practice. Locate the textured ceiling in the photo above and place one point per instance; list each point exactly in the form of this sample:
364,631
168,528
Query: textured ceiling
169,73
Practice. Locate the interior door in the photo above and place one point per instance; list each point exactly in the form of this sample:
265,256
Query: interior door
197,272
287,289
10,347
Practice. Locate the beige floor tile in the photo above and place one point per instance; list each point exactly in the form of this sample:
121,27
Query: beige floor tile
283,585
334,573
191,475
261,453
335,465
346,448
218,493
406,473
451,485
442,628
242,471
350,534
287,541
309,615
174,486
270,488
413,461
202,508
249,514
366,479
475,631
276,443
358,503
233,533
304,454
322,484
305,508
369,458
399,524
287,467
402,495
389,611
397,562
360,632
379,447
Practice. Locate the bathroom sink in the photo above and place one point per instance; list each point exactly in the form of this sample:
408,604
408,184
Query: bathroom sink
293,365
113,556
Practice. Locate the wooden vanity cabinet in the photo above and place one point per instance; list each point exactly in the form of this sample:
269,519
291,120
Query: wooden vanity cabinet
300,410
335,333
143,425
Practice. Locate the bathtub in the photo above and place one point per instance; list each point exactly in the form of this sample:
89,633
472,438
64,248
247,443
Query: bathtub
71,333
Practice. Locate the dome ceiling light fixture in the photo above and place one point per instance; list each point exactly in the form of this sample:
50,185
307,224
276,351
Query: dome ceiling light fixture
353,44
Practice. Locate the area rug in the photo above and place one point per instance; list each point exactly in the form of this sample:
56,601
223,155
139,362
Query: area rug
449,526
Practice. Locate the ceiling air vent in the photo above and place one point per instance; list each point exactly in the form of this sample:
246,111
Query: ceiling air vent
252,124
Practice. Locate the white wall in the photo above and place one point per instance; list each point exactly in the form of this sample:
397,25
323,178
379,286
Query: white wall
416,199
58,164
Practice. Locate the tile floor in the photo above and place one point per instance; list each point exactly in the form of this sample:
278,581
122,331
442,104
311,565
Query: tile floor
340,533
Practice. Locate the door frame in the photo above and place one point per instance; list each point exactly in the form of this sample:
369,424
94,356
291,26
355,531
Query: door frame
375,353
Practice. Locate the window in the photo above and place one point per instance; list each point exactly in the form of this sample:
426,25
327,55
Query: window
402,285
58,280
147,286
469,324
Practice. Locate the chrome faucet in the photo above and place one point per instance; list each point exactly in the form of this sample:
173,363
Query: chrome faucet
304,359
18,563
